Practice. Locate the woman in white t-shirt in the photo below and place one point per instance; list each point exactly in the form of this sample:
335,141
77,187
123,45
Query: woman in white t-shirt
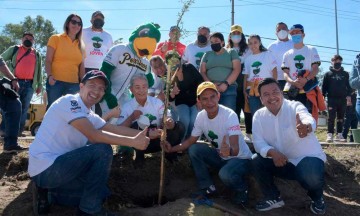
259,65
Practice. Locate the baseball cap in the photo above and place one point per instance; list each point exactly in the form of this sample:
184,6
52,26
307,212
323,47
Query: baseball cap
205,85
297,26
174,28
95,74
98,13
236,28
28,33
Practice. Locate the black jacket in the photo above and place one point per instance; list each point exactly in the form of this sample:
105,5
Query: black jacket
336,84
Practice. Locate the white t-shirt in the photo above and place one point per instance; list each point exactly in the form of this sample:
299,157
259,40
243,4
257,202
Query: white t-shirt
96,46
153,109
279,133
158,86
56,136
225,123
193,54
278,48
126,64
295,59
259,66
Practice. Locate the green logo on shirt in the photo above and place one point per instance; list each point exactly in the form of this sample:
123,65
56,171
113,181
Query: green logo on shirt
199,55
256,64
298,64
96,43
151,117
213,136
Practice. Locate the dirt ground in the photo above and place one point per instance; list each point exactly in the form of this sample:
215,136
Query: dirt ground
135,189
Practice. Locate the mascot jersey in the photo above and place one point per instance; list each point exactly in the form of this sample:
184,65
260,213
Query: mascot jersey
122,62
126,64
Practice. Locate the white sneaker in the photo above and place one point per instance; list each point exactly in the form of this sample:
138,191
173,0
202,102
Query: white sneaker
339,137
329,138
247,138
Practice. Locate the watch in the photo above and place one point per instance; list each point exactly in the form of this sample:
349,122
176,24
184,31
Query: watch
227,83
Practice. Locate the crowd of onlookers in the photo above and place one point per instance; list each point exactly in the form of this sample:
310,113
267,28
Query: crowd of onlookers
212,81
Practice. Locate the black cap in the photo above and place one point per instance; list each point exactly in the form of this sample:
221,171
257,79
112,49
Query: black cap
95,74
98,13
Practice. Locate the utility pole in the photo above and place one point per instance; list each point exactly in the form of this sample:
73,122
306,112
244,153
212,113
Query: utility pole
232,12
337,35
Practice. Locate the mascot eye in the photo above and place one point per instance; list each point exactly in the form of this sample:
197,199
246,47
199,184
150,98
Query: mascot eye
144,32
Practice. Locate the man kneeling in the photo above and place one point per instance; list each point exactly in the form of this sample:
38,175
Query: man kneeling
228,152
71,157
147,111
287,148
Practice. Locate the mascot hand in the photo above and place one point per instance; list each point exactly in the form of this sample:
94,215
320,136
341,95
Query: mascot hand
150,79
111,100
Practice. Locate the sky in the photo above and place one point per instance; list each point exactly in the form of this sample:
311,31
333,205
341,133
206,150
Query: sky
255,16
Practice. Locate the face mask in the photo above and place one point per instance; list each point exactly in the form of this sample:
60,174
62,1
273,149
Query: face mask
98,23
236,38
216,47
296,38
201,39
282,34
337,65
27,43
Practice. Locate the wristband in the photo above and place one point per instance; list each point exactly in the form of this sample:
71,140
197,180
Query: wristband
227,83
15,79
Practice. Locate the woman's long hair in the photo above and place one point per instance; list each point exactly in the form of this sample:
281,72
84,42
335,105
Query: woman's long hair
78,35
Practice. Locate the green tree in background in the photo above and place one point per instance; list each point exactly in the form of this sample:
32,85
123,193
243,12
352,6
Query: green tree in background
40,27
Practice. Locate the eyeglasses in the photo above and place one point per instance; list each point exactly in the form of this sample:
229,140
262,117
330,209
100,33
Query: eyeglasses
74,22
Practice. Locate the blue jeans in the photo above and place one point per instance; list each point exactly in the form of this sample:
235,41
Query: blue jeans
254,103
26,92
79,177
309,172
59,89
187,116
231,172
228,97
358,108
11,110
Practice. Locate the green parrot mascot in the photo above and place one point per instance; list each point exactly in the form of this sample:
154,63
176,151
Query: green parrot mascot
122,61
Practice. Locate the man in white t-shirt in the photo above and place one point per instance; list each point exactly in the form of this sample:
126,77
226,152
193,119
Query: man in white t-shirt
228,151
279,47
299,59
147,111
71,155
194,51
97,42
287,147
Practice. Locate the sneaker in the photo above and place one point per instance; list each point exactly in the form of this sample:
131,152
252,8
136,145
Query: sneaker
207,192
339,137
241,197
266,205
329,138
41,204
103,212
15,149
318,207
247,138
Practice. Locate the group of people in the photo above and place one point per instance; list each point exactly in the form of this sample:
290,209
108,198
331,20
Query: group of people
90,80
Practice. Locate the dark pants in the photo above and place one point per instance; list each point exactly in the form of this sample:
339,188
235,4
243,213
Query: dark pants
351,121
11,114
240,104
309,172
336,109
301,98
174,137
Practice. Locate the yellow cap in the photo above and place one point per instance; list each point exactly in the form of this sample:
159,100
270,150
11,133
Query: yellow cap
205,85
236,28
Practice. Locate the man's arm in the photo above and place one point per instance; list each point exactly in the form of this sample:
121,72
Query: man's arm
5,70
140,141
182,146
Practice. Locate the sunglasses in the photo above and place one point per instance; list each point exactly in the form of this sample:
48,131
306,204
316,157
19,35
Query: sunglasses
74,22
